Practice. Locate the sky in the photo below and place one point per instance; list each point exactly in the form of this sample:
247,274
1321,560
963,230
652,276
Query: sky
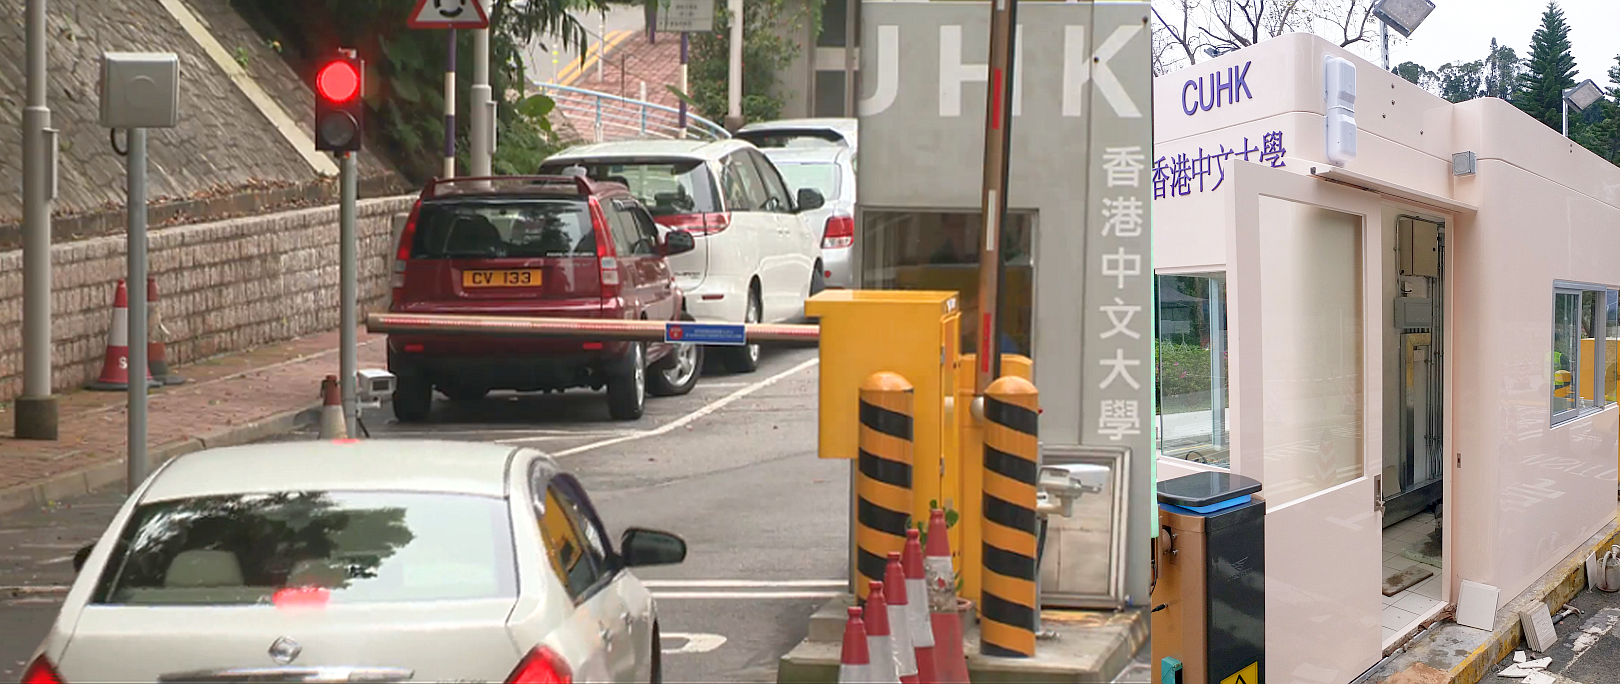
1461,30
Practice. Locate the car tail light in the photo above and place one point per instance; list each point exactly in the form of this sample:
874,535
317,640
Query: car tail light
606,260
542,666
697,224
302,597
403,256
839,234
42,672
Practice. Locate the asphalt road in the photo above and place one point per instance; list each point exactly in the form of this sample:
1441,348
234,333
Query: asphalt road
731,467
1588,648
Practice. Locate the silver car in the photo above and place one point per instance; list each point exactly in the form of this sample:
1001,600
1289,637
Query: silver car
802,133
829,170
378,561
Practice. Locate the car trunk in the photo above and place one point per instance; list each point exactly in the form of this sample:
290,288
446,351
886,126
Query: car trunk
434,641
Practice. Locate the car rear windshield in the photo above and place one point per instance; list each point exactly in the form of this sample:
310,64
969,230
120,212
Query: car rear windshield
665,187
820,176
793,137
359,547
486,229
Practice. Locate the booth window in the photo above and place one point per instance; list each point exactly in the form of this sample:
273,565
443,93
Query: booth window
905,249
1584,359
1191,358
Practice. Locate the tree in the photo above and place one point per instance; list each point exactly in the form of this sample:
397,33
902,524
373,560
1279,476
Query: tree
1602,136
1550,69
1184,29
766,51
1418,75
1462,81
1502,71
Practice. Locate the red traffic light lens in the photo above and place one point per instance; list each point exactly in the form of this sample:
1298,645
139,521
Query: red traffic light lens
338,81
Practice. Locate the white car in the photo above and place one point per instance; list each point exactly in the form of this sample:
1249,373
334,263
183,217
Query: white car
377,561
756,259
803,133
830,171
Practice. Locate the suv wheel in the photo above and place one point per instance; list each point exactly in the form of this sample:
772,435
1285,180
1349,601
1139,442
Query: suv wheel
745,359
413,398
677,374
627,387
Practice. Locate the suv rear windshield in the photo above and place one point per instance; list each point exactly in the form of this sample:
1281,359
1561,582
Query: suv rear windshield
484,229
361,547
665,187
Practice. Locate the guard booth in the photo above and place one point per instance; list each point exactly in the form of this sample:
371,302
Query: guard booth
1399,315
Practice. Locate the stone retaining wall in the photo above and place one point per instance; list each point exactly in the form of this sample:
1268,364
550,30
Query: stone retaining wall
223,287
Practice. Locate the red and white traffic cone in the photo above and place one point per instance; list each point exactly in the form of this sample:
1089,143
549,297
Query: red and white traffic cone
922,630
157,359
894,591
885,662
333,425
855,665
951,661
115,365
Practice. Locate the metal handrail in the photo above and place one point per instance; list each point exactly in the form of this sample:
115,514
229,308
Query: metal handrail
630,114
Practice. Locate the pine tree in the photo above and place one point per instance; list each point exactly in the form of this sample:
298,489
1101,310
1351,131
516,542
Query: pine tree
1550,71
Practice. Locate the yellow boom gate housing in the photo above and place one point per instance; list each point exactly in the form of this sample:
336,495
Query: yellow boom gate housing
915,334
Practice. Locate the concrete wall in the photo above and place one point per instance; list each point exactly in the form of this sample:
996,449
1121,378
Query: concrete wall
224,286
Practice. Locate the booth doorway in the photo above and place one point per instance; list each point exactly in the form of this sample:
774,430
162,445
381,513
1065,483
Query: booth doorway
1413,477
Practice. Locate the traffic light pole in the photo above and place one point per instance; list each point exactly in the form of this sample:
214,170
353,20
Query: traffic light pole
36,409
348,247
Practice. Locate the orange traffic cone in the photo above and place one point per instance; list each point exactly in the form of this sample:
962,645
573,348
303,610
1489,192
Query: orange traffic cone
115,365
334,424
950,660
157,359
885,662
894,592
922,631
855,665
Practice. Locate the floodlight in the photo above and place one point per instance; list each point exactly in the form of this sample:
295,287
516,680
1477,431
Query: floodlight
1403,15
1584,95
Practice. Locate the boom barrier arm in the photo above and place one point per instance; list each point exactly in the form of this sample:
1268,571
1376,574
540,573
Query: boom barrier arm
596,329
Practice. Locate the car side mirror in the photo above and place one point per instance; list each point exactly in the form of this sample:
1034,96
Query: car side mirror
641,547
810,199
678,242
82,556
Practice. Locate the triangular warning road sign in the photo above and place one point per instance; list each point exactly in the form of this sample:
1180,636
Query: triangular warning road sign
448,14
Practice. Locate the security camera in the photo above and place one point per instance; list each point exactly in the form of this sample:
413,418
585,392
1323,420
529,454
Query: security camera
374,384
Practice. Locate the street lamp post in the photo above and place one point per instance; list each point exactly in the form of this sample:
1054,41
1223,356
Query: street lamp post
36,408
1583,95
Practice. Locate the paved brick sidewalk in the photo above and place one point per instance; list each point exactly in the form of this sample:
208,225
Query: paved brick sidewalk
226,400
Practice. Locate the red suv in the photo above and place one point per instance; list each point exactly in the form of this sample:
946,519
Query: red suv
538,246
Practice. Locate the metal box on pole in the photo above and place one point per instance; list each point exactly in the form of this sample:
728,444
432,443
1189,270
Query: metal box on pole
140,90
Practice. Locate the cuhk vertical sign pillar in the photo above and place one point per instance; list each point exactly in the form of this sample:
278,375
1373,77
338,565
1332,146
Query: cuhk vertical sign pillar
1117,352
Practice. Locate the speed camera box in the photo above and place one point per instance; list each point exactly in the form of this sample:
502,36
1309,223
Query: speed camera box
140,90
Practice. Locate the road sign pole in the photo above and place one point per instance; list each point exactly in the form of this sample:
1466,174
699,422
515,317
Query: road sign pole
135,253
450,106
348,241
997,141
36,409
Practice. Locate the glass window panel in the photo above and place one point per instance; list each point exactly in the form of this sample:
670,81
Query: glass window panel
1311,296
1192,369
1566,330
937,250
1592,314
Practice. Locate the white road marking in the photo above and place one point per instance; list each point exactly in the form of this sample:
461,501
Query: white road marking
31,590
745,595
695,642
51,546
31,601
683,421
742,584
722,385
54,561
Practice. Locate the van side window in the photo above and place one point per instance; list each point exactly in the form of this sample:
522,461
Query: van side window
744,187
778,199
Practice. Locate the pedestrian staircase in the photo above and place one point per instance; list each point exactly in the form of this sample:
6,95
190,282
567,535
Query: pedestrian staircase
604,117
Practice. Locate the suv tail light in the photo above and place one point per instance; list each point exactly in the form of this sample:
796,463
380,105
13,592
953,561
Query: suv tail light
406,238
698,225
840,232
606,261
42,672
541,666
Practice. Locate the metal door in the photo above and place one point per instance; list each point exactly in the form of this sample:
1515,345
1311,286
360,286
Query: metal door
1304,294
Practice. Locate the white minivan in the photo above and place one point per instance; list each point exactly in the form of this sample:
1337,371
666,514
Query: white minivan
756,259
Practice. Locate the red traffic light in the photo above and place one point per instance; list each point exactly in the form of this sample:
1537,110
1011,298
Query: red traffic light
338,81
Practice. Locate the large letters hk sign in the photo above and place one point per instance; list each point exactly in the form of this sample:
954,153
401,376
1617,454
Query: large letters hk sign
1079,67
1208,92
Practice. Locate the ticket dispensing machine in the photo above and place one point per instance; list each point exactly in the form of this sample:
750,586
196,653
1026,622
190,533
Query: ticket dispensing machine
1209,598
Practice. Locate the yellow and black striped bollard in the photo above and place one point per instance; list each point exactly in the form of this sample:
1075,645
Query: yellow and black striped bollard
883,486
1011,471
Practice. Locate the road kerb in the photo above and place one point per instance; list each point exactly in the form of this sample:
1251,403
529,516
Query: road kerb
112,472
